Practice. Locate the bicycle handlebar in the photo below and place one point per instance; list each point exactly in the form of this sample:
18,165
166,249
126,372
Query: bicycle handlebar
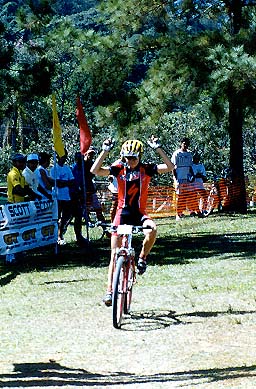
124,228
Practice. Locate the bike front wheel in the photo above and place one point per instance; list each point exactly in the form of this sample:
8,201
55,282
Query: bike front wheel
119,292
130,281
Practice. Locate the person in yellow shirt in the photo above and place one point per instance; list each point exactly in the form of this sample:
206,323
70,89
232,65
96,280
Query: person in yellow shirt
17,187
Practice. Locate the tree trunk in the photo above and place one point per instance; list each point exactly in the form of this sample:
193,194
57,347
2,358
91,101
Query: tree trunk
237,188
236,15
236,118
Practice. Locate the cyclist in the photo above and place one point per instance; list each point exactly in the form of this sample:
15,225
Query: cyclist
133,177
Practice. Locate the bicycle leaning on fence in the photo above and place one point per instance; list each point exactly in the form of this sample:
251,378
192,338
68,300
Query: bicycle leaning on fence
96,230
124,272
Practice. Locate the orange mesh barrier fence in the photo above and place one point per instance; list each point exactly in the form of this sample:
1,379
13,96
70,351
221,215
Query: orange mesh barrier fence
162,200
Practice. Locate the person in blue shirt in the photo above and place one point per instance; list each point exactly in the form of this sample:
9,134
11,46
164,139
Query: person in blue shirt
62,174
78,199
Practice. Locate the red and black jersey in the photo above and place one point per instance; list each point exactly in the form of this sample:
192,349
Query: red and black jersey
133,185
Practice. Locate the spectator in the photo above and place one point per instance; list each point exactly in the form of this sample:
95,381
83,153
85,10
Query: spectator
113,188
182,159
46,183
92,201
18,189
30,174
62,174
78,199
199,175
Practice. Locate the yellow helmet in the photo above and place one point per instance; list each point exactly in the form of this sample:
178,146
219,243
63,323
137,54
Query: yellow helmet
132,148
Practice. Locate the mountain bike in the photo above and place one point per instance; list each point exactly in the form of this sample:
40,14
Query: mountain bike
96,231
124,273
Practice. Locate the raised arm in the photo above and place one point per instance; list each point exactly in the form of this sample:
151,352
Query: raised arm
97,167
167,166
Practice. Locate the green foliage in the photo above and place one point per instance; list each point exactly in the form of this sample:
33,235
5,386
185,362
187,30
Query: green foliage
5,163
139,67
233,66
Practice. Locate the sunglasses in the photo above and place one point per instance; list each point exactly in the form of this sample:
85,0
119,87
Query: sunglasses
131,158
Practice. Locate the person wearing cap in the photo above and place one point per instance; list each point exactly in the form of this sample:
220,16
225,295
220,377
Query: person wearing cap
18,189
62,174
29,171
133,178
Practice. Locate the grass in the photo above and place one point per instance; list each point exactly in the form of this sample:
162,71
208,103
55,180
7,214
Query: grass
192,321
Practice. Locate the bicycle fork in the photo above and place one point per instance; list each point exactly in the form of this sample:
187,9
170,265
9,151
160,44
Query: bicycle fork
128,266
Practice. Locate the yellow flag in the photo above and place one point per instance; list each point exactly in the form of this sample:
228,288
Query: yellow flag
57,139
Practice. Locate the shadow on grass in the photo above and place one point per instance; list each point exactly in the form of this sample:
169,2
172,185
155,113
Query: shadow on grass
155,320
167,250
44,259
7,275
175,250
52,374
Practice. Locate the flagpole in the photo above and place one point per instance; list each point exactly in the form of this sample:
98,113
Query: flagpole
85,142
55,195
84,206
58,146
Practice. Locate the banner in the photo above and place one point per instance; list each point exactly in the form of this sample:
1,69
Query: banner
28,225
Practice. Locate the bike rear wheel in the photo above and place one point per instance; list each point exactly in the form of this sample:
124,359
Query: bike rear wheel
119,286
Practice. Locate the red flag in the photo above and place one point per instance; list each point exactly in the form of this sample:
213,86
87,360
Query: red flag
85,133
